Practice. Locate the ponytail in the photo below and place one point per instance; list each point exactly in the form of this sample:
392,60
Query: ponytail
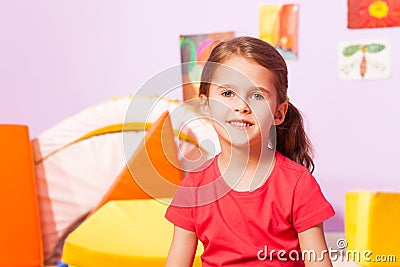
292,141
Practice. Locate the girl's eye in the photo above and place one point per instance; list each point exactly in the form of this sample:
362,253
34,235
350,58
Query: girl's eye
227,93
257,96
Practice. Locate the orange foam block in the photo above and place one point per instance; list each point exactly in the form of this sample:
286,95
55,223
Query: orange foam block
153,170
20,236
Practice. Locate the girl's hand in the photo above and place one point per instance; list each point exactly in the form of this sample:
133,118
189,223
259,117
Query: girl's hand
313,240
183,248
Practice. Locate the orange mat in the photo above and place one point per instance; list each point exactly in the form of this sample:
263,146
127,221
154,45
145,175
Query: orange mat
153,170
20,237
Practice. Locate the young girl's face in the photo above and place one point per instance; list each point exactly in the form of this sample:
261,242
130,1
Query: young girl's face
242,102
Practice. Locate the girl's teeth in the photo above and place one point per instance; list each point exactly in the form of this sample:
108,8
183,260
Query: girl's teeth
239,124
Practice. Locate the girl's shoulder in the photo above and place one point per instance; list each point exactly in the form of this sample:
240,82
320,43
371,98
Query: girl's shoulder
288,163
289,169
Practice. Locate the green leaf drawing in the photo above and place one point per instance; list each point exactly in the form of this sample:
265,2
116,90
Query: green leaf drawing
370,48
375,48
351,50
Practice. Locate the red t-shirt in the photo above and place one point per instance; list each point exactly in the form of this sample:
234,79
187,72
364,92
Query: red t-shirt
250,228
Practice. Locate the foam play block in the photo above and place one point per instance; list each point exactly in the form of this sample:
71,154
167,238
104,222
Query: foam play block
123,233
372,228
20,236
153,170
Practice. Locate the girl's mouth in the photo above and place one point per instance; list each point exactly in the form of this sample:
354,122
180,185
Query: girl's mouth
240,124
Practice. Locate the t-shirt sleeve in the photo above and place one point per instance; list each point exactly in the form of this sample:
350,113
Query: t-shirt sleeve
180,211
310,207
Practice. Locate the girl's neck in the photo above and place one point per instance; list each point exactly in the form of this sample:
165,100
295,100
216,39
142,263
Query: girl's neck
246,168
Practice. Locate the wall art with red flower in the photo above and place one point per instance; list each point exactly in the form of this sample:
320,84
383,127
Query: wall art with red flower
373,13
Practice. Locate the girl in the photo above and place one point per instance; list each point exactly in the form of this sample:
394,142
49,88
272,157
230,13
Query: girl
250,205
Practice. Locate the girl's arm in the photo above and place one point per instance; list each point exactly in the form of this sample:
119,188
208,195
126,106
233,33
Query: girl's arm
313,240
183,248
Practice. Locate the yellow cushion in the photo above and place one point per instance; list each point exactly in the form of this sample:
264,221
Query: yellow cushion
372,225
123,233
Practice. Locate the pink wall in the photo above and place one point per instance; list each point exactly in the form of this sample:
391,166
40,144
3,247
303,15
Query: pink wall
58,57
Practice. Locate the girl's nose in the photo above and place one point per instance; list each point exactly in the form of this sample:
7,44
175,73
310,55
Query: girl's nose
242,107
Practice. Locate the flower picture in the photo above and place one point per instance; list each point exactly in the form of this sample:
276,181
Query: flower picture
373,13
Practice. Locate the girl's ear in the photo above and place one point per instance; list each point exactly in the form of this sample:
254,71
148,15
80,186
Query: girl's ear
280,113
205,109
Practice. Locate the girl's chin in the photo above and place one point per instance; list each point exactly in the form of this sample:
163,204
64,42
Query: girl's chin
256,144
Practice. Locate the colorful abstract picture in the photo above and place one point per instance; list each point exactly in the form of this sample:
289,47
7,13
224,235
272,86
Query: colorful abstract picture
364,60
195,50
278,26
373,13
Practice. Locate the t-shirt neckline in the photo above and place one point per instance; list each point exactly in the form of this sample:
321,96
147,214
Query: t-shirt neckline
258,190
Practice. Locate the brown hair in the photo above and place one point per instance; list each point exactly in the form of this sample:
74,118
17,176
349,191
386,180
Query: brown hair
292,140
